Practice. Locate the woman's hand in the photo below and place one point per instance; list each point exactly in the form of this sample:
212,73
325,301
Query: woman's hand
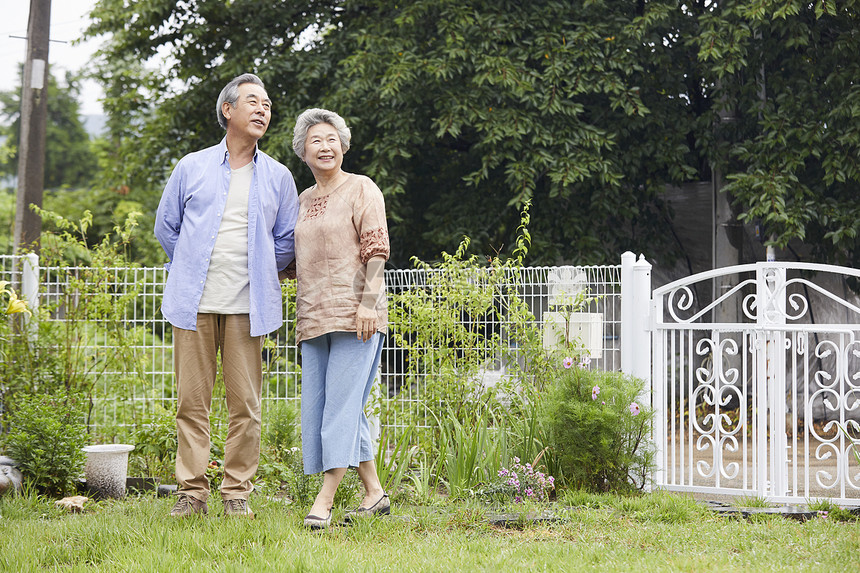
365,322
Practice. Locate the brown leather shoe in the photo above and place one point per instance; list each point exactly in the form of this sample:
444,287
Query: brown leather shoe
237,508
187,505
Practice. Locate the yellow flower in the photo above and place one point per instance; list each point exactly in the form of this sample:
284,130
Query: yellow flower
16,304
3,287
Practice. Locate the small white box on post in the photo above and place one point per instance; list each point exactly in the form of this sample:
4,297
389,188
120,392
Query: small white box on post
568,323
581,329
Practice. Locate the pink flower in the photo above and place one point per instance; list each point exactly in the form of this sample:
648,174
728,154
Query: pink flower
634,408
585,361
595,392
567,362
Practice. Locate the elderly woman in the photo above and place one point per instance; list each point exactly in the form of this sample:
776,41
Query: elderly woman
341,249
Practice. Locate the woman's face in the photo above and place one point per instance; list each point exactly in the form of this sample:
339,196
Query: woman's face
323,151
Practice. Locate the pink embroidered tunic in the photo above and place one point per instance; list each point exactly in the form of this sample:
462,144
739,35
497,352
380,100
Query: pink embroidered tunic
336,234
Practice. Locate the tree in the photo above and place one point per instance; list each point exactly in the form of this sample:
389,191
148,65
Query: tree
479,106
160,111
462,111
788,71
69,158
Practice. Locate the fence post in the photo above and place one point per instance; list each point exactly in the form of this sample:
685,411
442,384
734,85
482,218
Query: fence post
640,345
628,259
641,324
30,282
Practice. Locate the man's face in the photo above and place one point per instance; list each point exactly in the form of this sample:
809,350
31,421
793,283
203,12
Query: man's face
252,113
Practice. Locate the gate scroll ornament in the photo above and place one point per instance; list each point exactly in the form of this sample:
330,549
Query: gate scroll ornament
777,367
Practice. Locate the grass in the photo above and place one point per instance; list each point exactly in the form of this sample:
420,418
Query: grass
657,532
752,502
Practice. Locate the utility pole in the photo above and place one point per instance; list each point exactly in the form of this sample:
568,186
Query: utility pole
34,117
727,237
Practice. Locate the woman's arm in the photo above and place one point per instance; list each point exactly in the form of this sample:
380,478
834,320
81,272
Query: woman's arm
366,317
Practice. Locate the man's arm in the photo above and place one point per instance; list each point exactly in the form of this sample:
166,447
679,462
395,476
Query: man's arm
168,217
285,225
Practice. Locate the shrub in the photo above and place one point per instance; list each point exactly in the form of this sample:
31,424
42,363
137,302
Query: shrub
597,428
46,437
155,444
282,424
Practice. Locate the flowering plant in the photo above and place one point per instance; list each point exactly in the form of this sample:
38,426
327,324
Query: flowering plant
597,426
525,483
215,474
520,482
14,305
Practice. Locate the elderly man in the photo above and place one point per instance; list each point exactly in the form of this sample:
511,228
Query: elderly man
226,222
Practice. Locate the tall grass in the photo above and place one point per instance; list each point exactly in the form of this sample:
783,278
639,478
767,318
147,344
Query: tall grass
657,532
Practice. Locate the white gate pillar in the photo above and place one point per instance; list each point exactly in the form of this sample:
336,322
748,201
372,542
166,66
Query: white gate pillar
771,400
638,336
641,324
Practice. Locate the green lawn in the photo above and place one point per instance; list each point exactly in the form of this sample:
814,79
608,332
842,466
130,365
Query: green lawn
658,532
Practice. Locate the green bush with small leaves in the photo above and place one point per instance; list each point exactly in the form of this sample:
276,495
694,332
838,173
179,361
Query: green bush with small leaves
597,425
46,437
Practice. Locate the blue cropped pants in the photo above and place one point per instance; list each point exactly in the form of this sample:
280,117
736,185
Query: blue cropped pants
338,371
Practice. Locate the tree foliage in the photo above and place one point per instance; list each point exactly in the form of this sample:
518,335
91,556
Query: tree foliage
462,111
69,158
789,73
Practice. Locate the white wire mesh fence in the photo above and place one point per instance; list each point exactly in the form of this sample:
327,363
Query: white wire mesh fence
125,345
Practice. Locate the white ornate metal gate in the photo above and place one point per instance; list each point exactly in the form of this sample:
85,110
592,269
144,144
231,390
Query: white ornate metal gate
757,393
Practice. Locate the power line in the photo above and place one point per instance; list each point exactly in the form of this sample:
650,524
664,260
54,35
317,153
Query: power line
25,37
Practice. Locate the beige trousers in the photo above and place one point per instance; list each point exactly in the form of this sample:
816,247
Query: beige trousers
195,355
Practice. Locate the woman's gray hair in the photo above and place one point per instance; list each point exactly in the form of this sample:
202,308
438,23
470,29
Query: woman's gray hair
230,94
312,117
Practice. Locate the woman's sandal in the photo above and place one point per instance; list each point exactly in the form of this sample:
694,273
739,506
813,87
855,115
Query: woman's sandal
314,522
381,507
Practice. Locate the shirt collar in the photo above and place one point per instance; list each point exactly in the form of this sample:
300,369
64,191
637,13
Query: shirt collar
225,154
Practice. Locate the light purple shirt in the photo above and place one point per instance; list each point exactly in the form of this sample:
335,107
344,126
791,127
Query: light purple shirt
187,223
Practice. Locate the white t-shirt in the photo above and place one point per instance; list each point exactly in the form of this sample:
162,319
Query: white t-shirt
227,286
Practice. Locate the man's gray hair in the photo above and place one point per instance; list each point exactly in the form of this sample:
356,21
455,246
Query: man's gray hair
312,117
230,94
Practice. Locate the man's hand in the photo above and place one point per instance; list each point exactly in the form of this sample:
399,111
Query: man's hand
289,272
